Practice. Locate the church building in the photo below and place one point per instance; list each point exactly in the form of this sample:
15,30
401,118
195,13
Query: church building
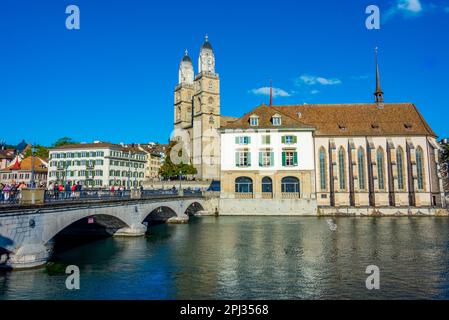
197,114
318,157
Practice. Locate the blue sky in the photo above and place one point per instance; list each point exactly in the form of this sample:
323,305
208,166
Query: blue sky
113,79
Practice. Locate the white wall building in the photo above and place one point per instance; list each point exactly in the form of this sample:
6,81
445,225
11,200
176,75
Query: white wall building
98,164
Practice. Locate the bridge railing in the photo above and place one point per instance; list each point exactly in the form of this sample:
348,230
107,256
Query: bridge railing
52,196
88,194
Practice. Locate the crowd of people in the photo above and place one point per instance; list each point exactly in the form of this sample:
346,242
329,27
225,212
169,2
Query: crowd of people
12,192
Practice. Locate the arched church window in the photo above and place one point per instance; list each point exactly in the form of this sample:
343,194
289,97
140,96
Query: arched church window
211,119
341,168
322,168
420,168
380,168
361,168
400,167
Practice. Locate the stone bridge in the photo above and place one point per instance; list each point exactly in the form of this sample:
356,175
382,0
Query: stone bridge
27,234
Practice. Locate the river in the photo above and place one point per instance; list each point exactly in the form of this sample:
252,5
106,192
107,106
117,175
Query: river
252,258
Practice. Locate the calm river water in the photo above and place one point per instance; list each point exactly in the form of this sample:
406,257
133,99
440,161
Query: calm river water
252,258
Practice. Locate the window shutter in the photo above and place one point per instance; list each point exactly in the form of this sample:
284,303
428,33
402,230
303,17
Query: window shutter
268,139
283,158
283,139
249,140
236,140
295,139
260,159
237,159
271,158
295,158
249,158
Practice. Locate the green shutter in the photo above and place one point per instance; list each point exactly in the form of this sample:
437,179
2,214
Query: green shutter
249,159
295,139
236,140
236,159
295,158
260,159
283,139
268,139
249,140
271,158
283,158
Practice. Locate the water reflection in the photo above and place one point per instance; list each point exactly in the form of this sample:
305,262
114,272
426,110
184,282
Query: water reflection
252,258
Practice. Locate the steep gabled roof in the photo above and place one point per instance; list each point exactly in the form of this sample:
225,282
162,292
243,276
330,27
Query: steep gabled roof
357,119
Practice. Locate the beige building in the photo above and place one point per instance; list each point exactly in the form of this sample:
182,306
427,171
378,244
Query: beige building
21,171
155,160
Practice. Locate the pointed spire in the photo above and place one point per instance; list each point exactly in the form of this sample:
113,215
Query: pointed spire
206,38
378,93
271,92
186,53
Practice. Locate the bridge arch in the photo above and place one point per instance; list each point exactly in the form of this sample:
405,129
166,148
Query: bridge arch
109,223
160,214
193,208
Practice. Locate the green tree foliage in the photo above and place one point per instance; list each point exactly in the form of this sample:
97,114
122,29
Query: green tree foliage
63,141
444,165
41,152
170,169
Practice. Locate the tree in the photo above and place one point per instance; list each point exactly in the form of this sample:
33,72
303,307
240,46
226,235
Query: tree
444,164
63,141
41,152
170,169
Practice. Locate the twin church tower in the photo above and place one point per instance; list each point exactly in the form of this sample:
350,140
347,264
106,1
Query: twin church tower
197,113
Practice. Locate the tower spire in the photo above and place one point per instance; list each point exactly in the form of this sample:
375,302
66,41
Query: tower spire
379,94
271,92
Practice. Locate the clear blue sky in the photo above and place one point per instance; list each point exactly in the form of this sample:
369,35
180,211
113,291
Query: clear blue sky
113,79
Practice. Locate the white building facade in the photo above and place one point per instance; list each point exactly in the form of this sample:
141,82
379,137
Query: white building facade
97,165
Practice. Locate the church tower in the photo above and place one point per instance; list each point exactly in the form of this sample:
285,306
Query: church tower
206,116
184,94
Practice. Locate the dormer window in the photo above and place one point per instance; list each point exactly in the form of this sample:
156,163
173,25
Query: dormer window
254,121
408,126
374,126
276,120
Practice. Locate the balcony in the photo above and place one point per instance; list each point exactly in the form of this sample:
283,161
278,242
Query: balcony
244,195
290,195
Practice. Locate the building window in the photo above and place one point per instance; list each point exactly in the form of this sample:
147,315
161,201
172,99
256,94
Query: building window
361,168
276,120
289,139
243,158
290,185
243,140
380,168
289,158
254,121
341,167
266,158
266,139
267,185
243,185
420,168
400,167
322,169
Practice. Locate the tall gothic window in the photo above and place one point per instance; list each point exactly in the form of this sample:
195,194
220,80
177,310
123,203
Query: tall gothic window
400,167
420,167
361,168
322,168
380,168
341,168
